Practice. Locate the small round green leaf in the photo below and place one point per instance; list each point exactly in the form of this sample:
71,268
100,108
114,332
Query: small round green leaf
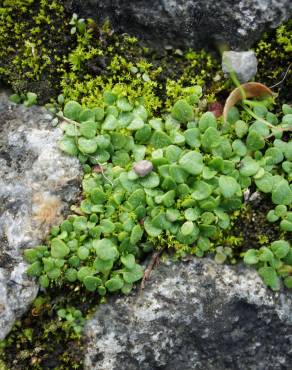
58,248
88,129
72,110
114,284
282,193
128,261
280,248
228,186
187,228
44,281
83,253
83,272
202,190
105,249
133,275
192,162
68,145
270,277
207,120
87,146
91,283
35,269
182,111
251,257
71,275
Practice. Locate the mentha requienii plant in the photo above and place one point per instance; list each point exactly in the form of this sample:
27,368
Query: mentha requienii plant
199,169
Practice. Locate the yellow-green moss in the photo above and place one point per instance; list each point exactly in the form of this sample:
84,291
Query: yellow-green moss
274,58
103,60
33,44
284,36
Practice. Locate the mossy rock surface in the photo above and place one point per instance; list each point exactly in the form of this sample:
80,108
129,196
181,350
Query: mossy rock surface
38,53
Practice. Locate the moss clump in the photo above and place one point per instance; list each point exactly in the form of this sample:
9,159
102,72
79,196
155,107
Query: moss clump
103,60
41,339
34,41
274,58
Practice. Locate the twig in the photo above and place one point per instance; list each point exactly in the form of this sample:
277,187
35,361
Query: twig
283,79
154,261
281,129
102,171
251,113
68,120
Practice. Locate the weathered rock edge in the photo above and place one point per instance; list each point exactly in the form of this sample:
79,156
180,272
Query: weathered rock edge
190,23
193,316
37,184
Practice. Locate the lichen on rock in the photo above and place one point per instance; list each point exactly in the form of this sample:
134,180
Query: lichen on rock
192,316
37,184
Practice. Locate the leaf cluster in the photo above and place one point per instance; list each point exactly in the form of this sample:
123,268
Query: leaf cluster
72,318
273,262
27,99
201,168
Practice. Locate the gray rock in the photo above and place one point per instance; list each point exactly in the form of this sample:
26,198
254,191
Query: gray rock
243,63
193,315
190,23
143,168
36,184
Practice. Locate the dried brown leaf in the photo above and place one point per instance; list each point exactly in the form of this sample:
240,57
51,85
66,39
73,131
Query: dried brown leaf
247,90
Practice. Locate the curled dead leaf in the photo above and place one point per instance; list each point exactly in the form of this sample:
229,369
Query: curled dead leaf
35,312
247,90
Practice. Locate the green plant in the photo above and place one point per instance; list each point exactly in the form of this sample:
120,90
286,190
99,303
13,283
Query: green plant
272,263
222,254
201,167
36,53
33,45
27,99
73,319
281,213
78,24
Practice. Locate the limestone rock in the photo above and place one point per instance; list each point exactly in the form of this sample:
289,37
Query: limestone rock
190,23
243,63
37,183
193,316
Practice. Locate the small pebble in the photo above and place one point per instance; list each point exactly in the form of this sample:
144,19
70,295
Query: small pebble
243,63
143,168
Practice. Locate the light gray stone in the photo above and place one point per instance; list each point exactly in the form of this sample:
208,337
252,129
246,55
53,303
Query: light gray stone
194,315
190,23
243,63
37,184
143,168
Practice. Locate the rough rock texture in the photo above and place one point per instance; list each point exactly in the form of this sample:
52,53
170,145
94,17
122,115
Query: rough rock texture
36,184
190,23
243,63
194,316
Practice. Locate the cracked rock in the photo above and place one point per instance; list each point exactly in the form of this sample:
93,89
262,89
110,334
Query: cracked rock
193,316
37,184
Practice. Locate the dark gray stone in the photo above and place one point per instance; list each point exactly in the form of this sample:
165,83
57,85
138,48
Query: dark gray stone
193,315
190,23
37,183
